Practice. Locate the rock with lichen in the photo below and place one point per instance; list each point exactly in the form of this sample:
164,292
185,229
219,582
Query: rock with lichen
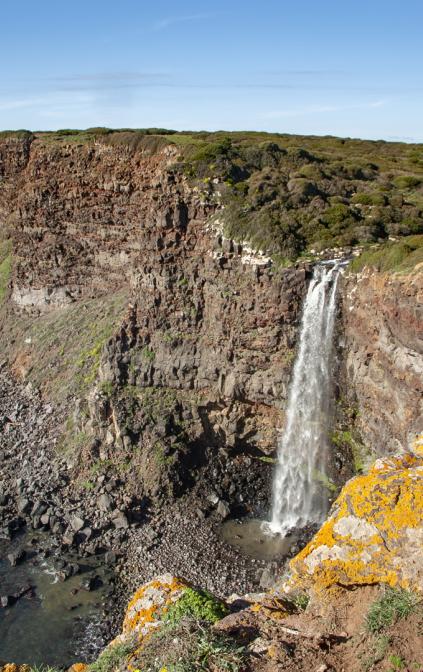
374,533
149,604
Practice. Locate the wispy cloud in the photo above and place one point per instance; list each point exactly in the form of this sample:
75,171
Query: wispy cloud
103,81
304,72
171,20
43,102
320,109
112,77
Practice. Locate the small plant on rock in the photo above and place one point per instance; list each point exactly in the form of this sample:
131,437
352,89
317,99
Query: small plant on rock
196,604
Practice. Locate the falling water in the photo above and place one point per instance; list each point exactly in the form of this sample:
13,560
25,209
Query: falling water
302,452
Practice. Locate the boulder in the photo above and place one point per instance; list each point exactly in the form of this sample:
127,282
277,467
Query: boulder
105,503
6,601
223,509
16,557
374,533
77,523
23,505
120,521
91,583
150,603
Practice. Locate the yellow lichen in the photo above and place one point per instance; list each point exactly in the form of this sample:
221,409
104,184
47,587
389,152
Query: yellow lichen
386,506
138,616
78,667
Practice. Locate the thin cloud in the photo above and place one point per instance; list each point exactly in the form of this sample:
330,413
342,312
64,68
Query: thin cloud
304,72
171,20
319,109
42,102
113,77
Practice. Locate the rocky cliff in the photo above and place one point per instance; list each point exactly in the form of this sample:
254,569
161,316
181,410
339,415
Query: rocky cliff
383,346
210,335
210,319
211,316
165,345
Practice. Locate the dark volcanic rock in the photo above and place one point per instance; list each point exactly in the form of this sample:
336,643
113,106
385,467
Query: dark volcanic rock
16,557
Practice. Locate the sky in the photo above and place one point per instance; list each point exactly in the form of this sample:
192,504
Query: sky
347,67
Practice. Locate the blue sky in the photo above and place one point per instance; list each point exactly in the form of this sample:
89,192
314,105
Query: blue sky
350,68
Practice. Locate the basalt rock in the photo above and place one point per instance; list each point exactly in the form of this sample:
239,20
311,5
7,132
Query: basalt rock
382,321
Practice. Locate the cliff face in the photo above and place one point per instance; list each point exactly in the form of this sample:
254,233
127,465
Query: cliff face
210,321
208,343
383,330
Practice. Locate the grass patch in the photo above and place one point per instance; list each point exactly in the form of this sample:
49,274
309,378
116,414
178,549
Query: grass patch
325,482
394,605
407,181
112,657
189,646
64,346
5,267
361,455
397,662
148,354
378,649
402,255
301,601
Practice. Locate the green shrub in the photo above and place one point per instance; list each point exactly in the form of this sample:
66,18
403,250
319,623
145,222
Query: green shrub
212,151
407,181
198,605
17,135
394,605
99,130
336,215
367,198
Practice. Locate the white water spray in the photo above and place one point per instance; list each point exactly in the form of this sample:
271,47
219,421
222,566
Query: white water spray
303,447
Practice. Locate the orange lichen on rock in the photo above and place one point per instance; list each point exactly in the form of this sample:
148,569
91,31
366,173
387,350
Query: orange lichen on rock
12,667
151,602
374,533
78,667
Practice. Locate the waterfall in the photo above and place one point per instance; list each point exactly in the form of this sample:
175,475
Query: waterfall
303,447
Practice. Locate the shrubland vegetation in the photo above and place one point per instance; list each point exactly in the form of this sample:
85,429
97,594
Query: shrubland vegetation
289,195
401,255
